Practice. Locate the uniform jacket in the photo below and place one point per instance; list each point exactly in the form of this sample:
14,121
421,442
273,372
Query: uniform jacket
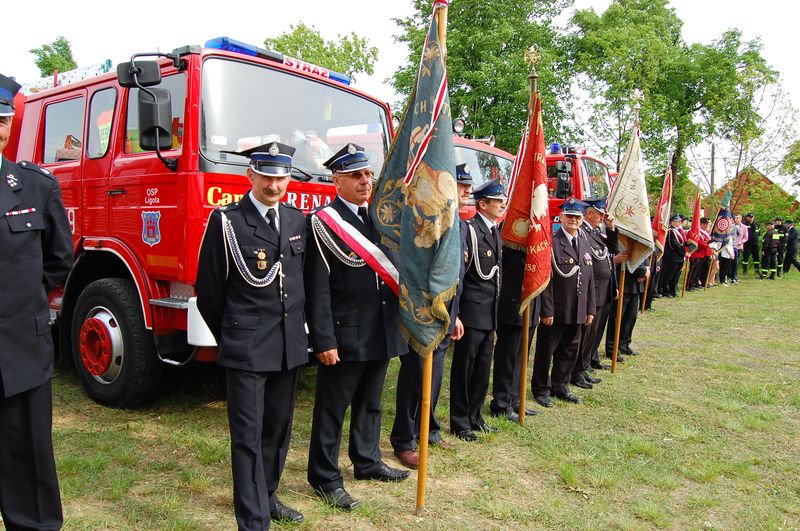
462,269
569,300
752,233
603,246
257,328
479,297
674,250
37,254
791,240
781,231
349,308
772,241
632,286
703,250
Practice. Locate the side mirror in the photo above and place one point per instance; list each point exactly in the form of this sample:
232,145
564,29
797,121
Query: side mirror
155,119
148,74
564,166
563,185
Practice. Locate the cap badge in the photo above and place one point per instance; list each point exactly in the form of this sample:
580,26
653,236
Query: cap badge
466,169
351,149
274,150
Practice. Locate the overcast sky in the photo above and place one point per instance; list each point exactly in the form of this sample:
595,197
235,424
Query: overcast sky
98,32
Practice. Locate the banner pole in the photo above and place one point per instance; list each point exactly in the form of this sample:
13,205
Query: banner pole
685,276
523,362
647,283
620,299
424,427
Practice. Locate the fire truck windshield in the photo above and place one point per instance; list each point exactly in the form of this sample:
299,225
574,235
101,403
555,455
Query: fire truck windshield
246,105
484,166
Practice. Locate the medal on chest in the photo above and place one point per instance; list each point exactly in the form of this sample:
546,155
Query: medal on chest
261,264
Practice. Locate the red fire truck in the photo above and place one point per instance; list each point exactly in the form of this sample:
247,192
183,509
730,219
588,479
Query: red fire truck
143,157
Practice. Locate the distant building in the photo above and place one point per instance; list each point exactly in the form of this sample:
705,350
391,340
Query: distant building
742,186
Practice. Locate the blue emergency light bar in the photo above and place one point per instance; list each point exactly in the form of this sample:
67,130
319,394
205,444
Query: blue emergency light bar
232,45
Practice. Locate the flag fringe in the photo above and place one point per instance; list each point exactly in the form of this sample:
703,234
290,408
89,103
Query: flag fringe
438,310
527,300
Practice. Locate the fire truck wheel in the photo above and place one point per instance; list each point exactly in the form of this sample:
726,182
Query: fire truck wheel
114,355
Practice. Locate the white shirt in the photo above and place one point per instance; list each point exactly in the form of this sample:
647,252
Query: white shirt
262,209
569,236
353,207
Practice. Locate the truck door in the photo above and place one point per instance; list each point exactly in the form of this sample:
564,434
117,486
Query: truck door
97,161
61,151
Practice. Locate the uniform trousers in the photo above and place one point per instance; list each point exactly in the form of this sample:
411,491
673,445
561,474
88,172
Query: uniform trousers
698,271
29,495
590,340
790,259
359,385
260,411
505,384
670,274
405,430
630,312
469,378
769,263
750,257
559,344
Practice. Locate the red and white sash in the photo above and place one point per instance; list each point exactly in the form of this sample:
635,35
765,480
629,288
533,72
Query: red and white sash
365,249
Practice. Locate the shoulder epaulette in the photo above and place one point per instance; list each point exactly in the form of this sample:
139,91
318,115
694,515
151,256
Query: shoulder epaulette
31,166
229,206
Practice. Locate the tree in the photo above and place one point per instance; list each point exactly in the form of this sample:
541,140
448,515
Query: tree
56,56
791,164
348,55
692,92
486,69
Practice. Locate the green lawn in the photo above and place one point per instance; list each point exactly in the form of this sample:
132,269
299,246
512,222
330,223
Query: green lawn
701,431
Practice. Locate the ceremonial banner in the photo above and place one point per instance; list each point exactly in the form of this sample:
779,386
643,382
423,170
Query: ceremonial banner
415,204
527,223
629,204
721,231
661,218
694,232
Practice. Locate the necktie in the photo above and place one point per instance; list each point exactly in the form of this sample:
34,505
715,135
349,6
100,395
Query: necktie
575,244
362,213
271,221
496,237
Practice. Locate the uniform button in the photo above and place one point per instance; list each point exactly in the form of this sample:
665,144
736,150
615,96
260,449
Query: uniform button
384,303
28,224
236,323
281,255
286,315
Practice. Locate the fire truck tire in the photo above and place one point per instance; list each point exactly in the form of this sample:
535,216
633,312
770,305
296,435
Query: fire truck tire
114,354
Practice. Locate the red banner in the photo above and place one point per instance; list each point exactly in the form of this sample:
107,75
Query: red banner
527,224
661,217
694,233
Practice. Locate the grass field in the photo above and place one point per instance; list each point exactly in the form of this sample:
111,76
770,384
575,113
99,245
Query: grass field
701,431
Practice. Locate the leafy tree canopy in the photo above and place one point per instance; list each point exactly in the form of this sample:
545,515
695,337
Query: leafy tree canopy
349,55
486,69
54,56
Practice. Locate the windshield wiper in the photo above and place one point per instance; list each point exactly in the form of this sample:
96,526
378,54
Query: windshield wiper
305,175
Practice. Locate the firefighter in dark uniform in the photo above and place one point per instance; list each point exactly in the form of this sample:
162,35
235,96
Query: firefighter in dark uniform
568,304
791,247
780,230
353,320
769,251
750,254
603,245
631,299
505,380
37,255
250,293
672,263
472,356
405,430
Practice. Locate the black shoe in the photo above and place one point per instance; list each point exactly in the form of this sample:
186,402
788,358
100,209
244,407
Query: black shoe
434,438
583,384
338,498
384,473
528,411
593,380
485,428
599,366
466,435
620,357
278,512
509,415
632,353
568,397
543,401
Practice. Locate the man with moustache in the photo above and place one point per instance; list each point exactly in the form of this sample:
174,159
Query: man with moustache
472,356
568,304
250,293
353,320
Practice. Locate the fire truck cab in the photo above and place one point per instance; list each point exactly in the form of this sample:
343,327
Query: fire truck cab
572,172
143,159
